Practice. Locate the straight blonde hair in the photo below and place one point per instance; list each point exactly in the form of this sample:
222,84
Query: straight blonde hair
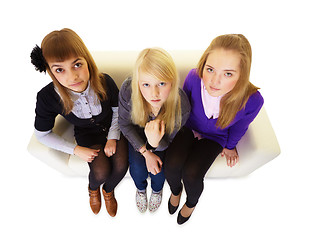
236,99
61,45
157,63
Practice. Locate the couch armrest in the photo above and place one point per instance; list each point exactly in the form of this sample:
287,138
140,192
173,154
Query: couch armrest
258,146
55,159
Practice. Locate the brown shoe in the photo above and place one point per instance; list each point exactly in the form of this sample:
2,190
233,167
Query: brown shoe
111,203
95,200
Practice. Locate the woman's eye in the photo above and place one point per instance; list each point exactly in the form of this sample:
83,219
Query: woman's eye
78,65
228,74
59,70
210,70
146,85
161,84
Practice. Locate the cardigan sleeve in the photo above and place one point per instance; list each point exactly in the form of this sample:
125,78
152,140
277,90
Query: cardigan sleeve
46,109
188,84
52,140
113,90
238,129
114,130
129,130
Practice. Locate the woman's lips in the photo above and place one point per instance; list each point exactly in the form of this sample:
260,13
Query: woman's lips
75,84
214,89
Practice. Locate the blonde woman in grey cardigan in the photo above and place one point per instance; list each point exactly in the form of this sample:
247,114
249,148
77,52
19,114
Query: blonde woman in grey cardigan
152,109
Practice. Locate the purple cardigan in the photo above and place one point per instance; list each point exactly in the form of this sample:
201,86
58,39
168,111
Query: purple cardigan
229,136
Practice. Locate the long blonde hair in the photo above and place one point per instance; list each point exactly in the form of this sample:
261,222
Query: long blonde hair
61,45
159,64
236,99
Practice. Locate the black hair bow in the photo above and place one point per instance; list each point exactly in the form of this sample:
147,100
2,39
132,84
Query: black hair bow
37,59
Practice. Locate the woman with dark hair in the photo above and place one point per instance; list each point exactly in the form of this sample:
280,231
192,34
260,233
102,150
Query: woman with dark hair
87,99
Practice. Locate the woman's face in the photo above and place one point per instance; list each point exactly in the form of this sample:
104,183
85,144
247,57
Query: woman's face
221,71
153,90
72,73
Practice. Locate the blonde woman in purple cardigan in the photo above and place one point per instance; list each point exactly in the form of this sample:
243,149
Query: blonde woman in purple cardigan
223,103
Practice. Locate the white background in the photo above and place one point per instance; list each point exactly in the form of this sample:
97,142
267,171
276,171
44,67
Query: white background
272,203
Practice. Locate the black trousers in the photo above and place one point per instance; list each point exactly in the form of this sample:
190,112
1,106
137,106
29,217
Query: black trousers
188,159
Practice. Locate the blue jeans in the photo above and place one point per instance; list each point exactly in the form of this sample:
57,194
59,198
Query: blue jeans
139,172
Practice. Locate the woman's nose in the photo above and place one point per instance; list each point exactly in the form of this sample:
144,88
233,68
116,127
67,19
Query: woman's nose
215,80
74,75
155,92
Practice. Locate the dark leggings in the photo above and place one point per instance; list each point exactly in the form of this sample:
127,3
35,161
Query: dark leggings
109,170
189,159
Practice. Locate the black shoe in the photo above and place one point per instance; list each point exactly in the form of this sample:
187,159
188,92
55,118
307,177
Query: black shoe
172,209
181,219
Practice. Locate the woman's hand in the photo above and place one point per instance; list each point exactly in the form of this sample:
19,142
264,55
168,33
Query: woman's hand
110,147
232,156
87,154
153,162
154,131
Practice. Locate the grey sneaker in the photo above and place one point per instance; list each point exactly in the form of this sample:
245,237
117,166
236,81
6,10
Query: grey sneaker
155,201
141,201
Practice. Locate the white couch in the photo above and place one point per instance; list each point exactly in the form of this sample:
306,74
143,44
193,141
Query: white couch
258,146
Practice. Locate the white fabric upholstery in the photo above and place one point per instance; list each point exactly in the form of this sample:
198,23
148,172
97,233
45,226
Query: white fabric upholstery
258,146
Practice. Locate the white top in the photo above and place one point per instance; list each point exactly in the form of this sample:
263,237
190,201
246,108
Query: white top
210,104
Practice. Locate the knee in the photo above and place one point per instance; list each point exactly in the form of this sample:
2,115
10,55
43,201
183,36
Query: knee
121,169
174,163
138,170
191,176
171,169
100,175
